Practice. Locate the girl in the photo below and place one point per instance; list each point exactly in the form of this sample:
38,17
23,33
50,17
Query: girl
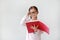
31,16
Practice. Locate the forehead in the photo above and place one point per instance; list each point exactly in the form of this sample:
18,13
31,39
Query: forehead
32,10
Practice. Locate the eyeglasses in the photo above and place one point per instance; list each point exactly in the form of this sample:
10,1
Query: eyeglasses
33,12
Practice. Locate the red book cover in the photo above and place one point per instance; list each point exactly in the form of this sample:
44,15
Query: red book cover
41,26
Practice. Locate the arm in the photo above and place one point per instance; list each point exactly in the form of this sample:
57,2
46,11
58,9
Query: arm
24,20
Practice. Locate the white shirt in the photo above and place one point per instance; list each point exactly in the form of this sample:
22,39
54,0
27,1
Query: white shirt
31,36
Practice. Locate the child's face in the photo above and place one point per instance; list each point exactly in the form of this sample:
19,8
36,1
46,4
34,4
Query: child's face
33,13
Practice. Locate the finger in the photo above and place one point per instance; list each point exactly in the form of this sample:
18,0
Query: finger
34,25
37,26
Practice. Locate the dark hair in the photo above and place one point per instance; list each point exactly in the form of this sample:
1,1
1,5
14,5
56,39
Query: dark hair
34,8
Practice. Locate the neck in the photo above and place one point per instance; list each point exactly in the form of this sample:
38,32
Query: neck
34,18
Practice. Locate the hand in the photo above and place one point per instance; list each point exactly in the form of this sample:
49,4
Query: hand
28,14
34,28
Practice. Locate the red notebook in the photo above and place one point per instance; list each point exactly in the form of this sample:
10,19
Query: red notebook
41,26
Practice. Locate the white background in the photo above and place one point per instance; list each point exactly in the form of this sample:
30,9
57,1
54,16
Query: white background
12,11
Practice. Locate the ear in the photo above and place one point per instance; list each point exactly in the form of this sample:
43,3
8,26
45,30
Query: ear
38,12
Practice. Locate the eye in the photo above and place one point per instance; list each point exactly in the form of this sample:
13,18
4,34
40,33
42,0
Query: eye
33,12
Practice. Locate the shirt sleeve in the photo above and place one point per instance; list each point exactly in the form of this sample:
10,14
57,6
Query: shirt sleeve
24,20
